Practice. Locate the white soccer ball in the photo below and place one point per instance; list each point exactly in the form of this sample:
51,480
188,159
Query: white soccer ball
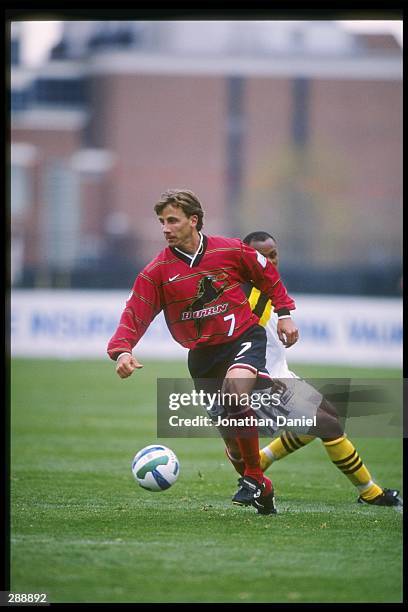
155,467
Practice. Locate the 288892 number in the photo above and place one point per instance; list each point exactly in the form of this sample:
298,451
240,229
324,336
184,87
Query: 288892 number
27,598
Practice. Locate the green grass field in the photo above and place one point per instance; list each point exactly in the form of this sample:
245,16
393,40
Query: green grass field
83,531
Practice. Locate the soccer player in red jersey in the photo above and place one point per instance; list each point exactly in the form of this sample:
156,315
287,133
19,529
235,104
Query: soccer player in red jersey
196,280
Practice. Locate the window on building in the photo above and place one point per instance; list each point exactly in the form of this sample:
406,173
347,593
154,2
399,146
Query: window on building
19,189
61,216
19,99
61,92
15,52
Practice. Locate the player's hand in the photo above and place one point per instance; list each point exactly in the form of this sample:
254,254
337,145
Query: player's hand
287,332
126,365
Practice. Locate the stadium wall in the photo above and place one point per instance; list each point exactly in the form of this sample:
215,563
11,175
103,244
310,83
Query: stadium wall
78,324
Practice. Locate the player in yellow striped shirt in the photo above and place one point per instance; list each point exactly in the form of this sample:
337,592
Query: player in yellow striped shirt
339,448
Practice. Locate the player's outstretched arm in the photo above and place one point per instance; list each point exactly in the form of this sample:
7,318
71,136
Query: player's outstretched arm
126,364
142,305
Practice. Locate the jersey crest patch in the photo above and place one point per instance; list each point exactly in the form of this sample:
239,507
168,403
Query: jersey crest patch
207,292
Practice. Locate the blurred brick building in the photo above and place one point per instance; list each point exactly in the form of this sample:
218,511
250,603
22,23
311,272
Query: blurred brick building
291,127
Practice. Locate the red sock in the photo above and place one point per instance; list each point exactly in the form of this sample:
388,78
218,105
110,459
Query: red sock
238,464
249,447
268,486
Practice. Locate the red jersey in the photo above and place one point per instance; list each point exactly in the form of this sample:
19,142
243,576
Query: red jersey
202,298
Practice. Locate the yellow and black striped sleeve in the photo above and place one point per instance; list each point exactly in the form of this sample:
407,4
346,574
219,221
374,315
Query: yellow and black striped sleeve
260,304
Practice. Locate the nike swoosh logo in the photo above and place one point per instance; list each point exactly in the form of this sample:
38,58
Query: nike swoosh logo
171,278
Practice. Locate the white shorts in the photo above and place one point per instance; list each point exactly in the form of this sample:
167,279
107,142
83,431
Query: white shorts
295,409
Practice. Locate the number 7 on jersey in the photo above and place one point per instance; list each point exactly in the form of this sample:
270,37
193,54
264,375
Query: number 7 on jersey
230,317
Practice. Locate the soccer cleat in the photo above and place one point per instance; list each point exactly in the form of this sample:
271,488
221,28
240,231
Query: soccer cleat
265,504
388,497
249,489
